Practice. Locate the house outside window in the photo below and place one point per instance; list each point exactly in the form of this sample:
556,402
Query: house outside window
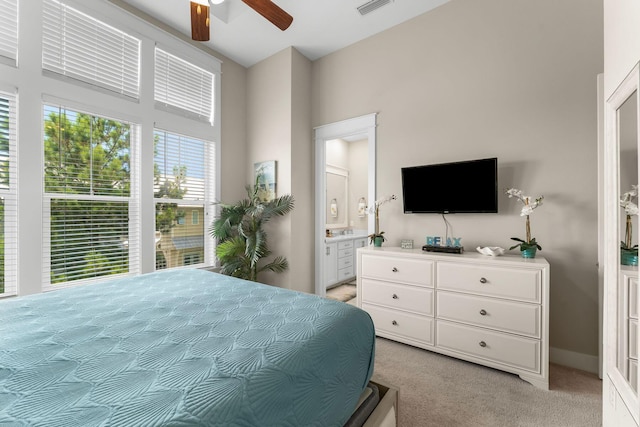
183,187
190,259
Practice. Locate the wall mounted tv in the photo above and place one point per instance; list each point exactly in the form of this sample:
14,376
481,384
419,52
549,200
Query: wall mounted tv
459,187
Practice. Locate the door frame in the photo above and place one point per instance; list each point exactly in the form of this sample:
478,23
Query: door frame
364,127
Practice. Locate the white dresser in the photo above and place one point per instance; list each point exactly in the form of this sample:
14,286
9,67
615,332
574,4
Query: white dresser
493,311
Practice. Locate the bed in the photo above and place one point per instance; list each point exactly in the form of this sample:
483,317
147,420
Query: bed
179,348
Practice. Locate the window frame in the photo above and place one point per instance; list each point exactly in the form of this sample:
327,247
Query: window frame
9,31
211,190
10,195
132,200
36,86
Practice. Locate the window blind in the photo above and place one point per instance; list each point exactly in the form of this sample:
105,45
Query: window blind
91,205
183,191
81,47
182,85
9,29
8,195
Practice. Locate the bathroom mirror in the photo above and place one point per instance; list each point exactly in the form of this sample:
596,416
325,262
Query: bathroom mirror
337,189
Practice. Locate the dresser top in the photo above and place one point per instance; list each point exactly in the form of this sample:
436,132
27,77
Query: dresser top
465,256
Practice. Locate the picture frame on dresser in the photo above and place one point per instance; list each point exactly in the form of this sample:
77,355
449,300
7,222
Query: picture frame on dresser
493,311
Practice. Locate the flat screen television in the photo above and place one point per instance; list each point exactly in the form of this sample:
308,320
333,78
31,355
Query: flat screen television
469,186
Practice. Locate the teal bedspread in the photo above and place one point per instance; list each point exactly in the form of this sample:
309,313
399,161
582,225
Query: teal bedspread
181,348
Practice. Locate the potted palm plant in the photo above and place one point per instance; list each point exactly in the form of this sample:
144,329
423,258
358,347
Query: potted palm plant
242,240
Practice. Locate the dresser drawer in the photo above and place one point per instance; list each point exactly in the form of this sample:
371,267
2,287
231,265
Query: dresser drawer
346,273
519,284
519,352
345,262
399,270
344,253
403,297
347,244
412,326
507,316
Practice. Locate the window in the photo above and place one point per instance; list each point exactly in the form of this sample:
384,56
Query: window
9,30
182,168
80,47
8,195
90,208
183,86
190,259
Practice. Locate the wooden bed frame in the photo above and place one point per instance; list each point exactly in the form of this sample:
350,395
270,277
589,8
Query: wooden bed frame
386,412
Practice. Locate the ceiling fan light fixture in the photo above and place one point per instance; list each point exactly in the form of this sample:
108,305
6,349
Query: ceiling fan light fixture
199,21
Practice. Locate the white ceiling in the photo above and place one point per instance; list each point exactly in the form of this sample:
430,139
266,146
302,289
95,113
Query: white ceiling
319,26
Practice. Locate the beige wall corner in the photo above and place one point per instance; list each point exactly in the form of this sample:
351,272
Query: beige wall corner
279,128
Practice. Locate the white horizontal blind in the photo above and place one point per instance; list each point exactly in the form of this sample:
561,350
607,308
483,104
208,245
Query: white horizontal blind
90,207
183,192
8,195
80,47
184,86
9,29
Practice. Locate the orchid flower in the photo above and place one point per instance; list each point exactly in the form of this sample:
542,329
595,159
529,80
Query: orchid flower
529,202
626,201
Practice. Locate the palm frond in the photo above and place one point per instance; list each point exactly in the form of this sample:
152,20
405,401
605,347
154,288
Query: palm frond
278,265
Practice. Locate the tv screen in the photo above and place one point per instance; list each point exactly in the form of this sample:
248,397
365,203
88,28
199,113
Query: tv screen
459,187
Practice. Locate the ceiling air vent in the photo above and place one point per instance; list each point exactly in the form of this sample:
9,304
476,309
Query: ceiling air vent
372,5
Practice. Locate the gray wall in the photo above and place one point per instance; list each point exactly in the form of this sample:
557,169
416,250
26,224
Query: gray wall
508,78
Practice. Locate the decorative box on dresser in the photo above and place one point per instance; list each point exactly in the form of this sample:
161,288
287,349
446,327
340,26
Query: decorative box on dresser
493,311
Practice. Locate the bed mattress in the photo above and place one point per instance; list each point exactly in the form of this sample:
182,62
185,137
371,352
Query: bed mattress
179,348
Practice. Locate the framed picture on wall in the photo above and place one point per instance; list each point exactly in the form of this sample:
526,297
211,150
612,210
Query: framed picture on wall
265,179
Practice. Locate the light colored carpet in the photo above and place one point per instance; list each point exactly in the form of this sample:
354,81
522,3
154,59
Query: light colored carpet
442,391
343,292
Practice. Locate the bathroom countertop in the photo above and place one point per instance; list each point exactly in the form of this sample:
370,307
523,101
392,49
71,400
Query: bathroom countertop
342,237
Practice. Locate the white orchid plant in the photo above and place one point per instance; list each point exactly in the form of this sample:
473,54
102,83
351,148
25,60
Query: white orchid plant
528,205
374,209
630,208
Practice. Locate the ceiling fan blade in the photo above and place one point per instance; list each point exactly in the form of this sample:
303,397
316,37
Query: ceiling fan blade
271,12
199,22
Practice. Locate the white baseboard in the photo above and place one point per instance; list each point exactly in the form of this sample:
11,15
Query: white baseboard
572,359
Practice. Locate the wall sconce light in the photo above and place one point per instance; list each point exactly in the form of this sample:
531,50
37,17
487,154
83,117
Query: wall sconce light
362,207
334,208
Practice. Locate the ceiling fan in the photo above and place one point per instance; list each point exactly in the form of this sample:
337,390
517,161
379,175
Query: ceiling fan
200,21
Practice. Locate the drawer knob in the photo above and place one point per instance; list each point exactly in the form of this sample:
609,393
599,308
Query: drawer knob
395,270
483,344
394,323
394,296
483,280
483,312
